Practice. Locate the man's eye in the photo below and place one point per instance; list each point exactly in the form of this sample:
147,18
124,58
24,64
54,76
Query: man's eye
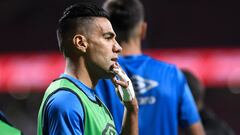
108,37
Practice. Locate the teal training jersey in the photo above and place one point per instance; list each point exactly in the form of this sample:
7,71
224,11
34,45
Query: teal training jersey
6,129
59,115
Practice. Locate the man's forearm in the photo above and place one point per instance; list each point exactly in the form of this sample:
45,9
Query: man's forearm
196,129
125,91
130,122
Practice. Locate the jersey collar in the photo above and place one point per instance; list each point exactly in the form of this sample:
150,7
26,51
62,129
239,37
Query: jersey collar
88,91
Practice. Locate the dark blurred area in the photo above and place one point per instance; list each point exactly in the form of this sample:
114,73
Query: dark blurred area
29,26
193,23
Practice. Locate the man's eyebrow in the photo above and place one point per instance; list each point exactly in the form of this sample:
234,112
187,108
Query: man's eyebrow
109,34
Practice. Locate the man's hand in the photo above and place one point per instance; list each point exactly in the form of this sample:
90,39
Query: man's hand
126,93
124,85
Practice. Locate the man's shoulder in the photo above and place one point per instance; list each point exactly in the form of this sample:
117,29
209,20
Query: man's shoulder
147,60
164,65
62,111
63,101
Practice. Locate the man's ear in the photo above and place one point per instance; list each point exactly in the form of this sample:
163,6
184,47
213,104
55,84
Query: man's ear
80,42
143,30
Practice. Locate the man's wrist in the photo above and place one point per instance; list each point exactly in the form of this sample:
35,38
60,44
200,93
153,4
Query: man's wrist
132,106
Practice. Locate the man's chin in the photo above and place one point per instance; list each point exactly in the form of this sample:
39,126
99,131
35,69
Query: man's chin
110,75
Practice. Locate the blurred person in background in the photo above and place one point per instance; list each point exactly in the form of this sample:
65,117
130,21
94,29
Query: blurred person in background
211,123
165,101
6,128
70,106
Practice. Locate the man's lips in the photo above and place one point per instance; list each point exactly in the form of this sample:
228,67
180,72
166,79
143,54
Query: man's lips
114,65
114,59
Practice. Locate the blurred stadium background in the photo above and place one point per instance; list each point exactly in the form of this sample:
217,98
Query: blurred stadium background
203,36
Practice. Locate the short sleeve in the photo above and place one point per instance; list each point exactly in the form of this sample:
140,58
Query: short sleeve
188,113
64,114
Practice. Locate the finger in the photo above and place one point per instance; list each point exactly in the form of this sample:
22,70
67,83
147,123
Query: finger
114,81
119,92
117,64
113,66
119,69
121,83
121,74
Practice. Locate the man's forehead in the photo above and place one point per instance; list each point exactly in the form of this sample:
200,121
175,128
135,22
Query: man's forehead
104,25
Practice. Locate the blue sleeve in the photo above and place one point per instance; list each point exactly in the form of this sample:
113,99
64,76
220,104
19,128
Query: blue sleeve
188,113
64,114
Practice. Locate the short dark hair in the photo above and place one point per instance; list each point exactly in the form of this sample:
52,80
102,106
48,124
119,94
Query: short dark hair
76,19
124,16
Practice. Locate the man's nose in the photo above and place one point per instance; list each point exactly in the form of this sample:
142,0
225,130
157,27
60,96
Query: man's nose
117,47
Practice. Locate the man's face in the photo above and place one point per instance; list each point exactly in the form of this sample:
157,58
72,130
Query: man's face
103,49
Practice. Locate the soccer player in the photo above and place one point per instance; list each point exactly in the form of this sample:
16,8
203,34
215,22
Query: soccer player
211,123
70,106
7,128
165,101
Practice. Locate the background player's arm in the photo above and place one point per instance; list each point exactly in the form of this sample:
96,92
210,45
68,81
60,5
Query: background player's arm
189,117
195,129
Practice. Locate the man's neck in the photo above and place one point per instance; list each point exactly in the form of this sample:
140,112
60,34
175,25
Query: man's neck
78,70
132,47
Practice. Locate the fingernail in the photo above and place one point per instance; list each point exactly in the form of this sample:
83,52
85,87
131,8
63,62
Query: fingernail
115,70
